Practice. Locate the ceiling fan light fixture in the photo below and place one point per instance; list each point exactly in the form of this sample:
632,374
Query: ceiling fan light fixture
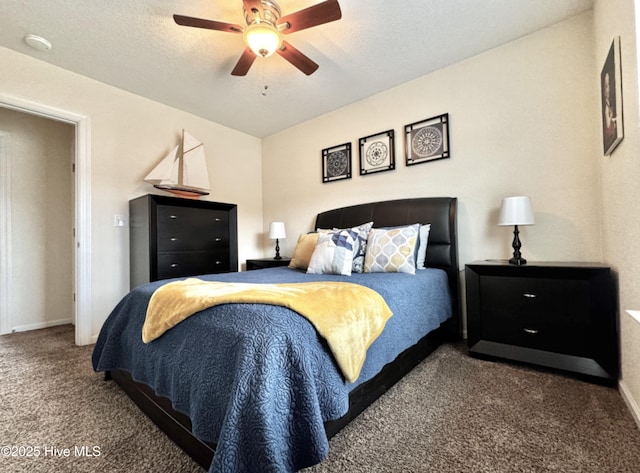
263,39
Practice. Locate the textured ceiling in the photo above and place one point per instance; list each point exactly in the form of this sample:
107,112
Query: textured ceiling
378,44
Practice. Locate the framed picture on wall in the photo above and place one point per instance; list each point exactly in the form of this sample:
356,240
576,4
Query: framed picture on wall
377,153
427,140
611,94
336,163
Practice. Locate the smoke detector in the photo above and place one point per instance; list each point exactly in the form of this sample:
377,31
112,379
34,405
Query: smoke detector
37,42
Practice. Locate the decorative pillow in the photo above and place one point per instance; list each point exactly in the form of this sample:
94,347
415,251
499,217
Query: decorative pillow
333,253
392,250
423,240
304,249
361,244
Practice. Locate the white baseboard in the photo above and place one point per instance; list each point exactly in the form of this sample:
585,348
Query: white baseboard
39,325
631,403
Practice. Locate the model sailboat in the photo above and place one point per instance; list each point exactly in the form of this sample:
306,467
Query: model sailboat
183,171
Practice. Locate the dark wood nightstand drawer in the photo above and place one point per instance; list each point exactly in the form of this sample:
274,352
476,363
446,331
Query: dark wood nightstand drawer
542,313
560,315
263,263
546,297
539,333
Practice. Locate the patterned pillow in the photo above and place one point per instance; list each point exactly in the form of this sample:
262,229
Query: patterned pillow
392,250
360,248
358,255
333,253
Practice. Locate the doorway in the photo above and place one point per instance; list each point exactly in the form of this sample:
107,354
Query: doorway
40,236
81,218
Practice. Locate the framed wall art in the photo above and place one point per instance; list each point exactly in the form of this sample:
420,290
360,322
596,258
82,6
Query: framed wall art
377,153
427,140
336,163
611,93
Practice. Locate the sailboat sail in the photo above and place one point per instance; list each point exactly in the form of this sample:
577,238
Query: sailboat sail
184,170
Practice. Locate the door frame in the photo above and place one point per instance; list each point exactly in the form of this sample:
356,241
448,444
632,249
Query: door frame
82,214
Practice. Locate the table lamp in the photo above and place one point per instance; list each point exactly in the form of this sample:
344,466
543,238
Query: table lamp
516,211
277,231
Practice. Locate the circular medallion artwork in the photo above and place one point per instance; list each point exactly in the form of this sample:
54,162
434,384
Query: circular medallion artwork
337,163
377,153
426,141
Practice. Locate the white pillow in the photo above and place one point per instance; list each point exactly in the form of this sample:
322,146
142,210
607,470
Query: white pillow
422,246
333,253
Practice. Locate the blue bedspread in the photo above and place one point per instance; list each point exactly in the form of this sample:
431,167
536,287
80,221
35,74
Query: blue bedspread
255,379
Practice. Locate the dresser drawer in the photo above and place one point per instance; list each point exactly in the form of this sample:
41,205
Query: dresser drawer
192,229
180,264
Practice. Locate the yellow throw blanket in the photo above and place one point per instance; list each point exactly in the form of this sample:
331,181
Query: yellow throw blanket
349,316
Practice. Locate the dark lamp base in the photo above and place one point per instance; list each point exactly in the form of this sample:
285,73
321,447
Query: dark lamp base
277,256
517,259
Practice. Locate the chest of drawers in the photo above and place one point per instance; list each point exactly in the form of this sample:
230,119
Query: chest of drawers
172,237
558,315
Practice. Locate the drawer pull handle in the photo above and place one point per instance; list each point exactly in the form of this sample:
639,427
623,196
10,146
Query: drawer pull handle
174,265
531,331
218,262
529,296
218,239
173,239
217,219
173,217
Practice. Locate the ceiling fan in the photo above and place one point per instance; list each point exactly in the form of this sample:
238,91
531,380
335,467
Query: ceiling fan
264,30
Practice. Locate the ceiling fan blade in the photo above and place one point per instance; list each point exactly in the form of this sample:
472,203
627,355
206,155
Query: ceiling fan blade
315,15
207,24
244,63
298,59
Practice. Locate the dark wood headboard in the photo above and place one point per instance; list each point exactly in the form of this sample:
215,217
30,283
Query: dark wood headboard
440,212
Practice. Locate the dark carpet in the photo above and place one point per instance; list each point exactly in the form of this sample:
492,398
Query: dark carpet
453,413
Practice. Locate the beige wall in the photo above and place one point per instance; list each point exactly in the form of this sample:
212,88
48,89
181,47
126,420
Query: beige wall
39,154
620,175
521,124
129,135
525,119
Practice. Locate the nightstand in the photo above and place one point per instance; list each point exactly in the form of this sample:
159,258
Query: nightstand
557,315
263,263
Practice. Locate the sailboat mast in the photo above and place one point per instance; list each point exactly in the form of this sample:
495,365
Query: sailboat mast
181,161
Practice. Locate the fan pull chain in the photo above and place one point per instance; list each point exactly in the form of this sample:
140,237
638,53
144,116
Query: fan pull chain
266,87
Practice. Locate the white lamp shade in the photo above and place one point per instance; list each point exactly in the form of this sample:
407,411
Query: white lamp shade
516,211
276,230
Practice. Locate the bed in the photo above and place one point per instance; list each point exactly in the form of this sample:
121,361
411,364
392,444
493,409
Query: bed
267,396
